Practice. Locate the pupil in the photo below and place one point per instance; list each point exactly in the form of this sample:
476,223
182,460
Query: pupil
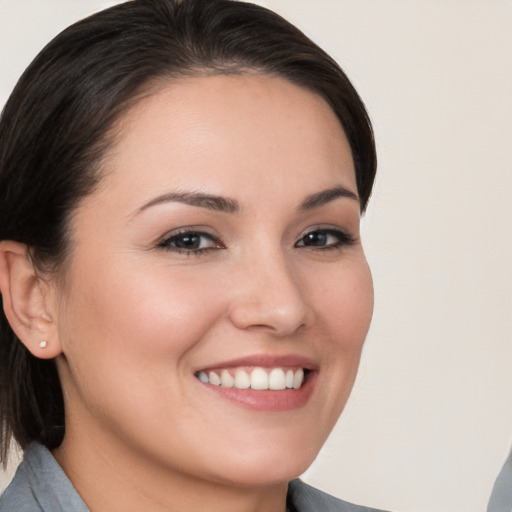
315,239
188,242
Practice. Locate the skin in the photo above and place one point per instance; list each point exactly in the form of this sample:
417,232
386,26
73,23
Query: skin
137,318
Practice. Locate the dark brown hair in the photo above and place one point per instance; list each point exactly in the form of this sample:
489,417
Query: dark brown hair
55,128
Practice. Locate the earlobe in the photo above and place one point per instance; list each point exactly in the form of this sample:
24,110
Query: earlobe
25,303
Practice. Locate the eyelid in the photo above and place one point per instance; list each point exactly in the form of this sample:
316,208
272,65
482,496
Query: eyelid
198,229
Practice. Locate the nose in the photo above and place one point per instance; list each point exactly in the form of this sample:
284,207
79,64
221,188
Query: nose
268,296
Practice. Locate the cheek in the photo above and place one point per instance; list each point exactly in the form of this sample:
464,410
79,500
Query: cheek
129,336
344,306
342,298
139,311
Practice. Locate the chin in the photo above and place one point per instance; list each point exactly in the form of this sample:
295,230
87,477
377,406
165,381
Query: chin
263,469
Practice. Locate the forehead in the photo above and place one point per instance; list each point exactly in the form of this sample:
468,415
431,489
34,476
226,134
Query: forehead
221,132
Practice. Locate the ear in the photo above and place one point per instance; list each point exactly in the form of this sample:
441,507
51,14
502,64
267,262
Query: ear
25,302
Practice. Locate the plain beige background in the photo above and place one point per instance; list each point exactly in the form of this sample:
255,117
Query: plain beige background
430,419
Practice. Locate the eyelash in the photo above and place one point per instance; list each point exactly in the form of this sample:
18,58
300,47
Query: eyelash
343,239
167,243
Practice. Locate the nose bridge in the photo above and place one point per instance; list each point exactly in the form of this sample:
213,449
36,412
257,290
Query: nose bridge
268,293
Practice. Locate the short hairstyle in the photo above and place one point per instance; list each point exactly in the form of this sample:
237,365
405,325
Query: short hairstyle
57,123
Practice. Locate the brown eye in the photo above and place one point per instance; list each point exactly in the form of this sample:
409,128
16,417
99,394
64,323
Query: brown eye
190,242
316,238
325,239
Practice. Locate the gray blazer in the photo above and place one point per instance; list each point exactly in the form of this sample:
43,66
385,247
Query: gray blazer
40,485
501,497
304,498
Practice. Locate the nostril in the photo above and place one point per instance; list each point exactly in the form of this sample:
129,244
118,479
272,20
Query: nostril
254,317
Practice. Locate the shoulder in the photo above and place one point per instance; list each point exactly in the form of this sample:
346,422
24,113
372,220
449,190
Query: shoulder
304,498
501,497
40,485
19,495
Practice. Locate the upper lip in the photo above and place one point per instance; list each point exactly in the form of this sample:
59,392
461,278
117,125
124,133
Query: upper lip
266,361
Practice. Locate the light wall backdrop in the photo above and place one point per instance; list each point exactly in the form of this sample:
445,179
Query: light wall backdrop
430,419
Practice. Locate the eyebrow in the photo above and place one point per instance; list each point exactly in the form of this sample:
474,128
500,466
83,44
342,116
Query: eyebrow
209,201
325,196
227,205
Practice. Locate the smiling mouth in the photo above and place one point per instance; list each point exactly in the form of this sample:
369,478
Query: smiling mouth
259,378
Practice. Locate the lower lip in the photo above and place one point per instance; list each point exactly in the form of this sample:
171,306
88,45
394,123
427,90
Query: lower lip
268,400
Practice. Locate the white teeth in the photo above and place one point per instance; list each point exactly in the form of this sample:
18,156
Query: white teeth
242,379
214,379
298,378
289,379
276,379
257,379
226,381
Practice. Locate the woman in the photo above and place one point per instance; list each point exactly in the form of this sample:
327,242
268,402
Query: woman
185,292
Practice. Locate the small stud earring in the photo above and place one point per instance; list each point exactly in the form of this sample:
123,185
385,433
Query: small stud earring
43,344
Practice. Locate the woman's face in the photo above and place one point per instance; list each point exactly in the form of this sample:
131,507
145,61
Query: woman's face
223,245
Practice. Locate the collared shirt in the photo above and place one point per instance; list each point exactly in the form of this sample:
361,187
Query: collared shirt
40,485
